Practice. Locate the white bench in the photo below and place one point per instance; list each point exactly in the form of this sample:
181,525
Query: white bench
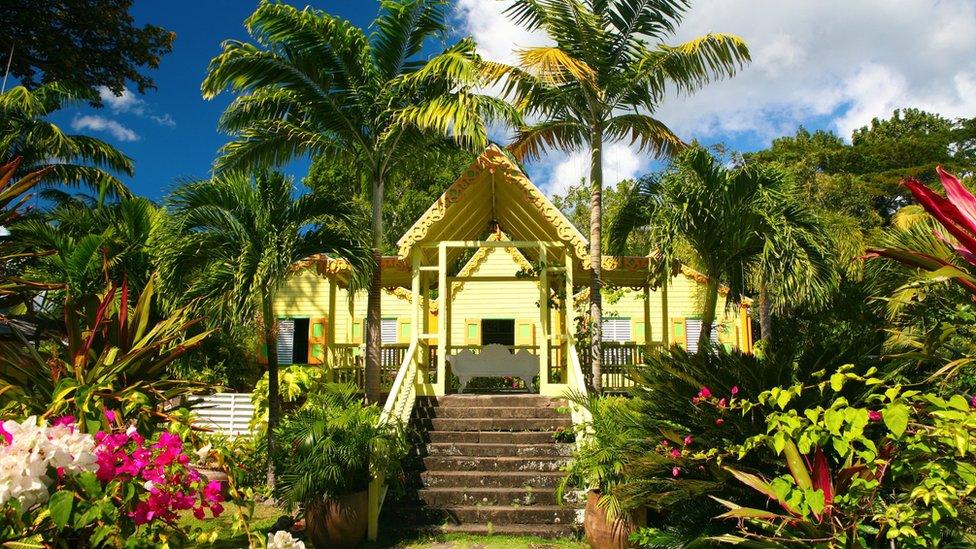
494,361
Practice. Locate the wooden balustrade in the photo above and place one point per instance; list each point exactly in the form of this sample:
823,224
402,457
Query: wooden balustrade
618,357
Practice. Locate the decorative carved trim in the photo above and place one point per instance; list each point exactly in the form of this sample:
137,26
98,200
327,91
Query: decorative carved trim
493,160
479,257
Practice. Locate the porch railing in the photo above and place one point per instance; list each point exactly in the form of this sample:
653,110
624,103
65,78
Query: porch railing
347,364
397,410
618,358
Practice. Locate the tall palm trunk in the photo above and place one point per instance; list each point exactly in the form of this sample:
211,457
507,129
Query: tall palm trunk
373,304
708,314
596,257
274,407
765,320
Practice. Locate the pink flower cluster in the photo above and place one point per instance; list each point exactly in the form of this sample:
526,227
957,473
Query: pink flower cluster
705,396
161,468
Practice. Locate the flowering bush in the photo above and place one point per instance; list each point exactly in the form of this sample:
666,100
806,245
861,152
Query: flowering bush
896,467
112,489
283,540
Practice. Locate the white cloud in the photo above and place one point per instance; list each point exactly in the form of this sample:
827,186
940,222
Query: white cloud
832,62
128,103
101,124
619,162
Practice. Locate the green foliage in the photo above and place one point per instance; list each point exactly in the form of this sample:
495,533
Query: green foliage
896,466
740,225
599,462
107,48
73,159
296,384
113,356
335,447
575,205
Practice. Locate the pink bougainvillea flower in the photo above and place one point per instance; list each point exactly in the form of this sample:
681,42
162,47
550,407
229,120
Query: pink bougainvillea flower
665,443
719,422
705,392
722,403
675,471
7,437
675,453
211,493
874,415
110,415
695,400
688,440
216,509
65,421
735,390
972,401
198,513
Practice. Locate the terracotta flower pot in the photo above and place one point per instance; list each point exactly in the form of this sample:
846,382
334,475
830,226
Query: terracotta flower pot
604,534
338,523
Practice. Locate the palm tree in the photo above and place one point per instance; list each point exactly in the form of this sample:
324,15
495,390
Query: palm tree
734,223
231,241
601,82
74,159
314,84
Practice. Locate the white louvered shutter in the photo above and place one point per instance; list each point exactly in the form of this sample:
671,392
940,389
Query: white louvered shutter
388,331
693,328
286,341
616,329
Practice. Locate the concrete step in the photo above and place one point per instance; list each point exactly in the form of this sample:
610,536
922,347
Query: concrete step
473,449
547,531
483,496
469,401
495,424
488,437
494,514
463,480
501,412
496,463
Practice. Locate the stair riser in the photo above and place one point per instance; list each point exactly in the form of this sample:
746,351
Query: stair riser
548,531
521,515
499,450
438,463
489,437
472,401
490,412
474,496
495,424
438,479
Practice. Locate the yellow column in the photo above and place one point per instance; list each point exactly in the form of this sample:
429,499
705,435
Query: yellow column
647,318
330,328
543,319
665,320
417,326
443,321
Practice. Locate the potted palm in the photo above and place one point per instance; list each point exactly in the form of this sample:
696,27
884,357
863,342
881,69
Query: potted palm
598,468
328,452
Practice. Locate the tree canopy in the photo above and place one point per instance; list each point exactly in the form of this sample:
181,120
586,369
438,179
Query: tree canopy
83,43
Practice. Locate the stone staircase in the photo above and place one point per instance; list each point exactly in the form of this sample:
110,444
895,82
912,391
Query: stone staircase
485,464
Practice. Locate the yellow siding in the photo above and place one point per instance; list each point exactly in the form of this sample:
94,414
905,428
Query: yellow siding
684,301
515,299
306,295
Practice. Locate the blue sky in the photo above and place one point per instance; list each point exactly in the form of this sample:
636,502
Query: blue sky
831,64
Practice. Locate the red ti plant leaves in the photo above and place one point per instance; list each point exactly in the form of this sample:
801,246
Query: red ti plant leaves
821,478
957,215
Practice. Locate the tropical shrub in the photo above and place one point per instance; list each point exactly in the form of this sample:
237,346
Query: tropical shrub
112,357
956,214
334,448
673,423
894,468
114,488
600,461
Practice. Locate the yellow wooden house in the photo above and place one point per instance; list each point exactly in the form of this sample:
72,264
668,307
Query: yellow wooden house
492,261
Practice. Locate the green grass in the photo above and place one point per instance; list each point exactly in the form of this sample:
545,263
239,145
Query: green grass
465,541
265,516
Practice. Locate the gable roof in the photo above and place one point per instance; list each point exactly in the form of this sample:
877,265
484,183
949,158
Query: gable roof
493,191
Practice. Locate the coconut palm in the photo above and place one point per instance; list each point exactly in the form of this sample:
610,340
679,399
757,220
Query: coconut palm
314,84
602,81
230,242
73,159
735,224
